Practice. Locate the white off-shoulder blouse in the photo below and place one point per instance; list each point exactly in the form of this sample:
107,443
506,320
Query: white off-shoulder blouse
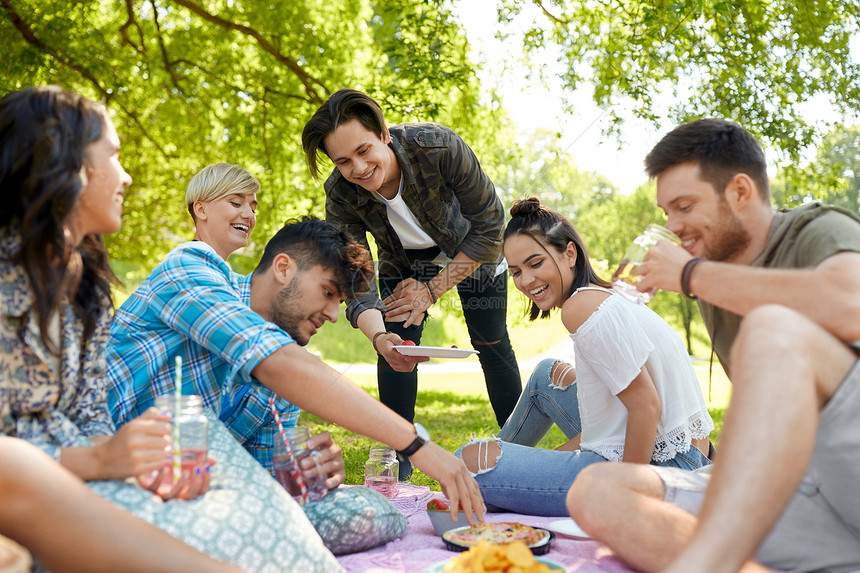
610,348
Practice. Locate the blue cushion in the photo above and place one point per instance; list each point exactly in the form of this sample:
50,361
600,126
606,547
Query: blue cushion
351,519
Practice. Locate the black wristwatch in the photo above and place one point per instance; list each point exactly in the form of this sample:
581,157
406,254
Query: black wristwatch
421,438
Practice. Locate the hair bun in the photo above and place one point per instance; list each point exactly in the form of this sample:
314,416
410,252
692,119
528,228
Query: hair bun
526,207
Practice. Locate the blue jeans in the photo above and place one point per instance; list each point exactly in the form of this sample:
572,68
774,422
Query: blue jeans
533,480
541,405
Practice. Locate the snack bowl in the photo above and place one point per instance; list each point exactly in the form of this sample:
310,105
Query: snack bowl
441,520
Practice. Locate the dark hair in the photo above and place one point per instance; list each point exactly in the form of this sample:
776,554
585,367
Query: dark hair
311,241
44,134
547,227
720,147
341,107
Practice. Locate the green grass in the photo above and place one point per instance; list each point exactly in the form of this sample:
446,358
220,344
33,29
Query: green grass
453,405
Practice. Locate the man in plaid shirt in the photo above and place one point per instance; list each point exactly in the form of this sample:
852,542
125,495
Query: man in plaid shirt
194,306
236,336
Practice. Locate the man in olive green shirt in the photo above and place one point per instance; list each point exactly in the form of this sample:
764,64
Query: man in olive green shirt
778,292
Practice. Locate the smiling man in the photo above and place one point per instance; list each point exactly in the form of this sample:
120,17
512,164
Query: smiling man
224,325
241,339
778,294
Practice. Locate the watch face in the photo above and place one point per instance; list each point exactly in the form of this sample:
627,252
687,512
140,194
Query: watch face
422,432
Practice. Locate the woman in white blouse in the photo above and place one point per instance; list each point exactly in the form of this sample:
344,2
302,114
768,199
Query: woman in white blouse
633,397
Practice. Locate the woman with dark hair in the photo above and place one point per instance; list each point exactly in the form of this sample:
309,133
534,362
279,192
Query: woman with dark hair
61,187
633,396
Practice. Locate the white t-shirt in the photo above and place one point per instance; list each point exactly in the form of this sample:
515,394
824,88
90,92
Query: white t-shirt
410,232
610,348
404,222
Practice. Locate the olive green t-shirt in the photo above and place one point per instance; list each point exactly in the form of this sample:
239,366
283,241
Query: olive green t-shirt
799,238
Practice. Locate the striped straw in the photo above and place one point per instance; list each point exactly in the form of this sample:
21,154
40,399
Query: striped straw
297,472
177,452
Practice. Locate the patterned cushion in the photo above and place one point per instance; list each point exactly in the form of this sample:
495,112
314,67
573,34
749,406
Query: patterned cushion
351,519
246,518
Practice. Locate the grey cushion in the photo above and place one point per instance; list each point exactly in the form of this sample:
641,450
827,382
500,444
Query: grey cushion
351,519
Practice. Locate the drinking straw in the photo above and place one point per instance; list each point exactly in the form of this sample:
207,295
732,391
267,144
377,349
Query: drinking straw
177,452
296,470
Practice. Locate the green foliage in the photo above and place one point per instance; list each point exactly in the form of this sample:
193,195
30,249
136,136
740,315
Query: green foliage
833,176
539,168
756,62
192,82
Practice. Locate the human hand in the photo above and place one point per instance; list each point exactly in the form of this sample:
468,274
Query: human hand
457,483
661,268
408,302
329,458
191,484
138,448
385,344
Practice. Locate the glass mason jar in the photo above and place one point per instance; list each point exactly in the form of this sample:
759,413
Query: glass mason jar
625,278
381,470
193,429
305,486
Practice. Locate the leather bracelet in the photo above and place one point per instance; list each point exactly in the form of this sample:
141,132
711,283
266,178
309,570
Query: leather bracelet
686,273
433,298
377,335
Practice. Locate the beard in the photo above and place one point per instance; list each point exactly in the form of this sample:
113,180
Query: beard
730,238
287,311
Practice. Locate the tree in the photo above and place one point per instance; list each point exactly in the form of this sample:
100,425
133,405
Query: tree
833,176
535,166
192,82
756,62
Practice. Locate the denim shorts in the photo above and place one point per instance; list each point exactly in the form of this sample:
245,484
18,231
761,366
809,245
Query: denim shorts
820,528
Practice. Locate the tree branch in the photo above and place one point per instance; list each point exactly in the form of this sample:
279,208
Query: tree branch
132,21
307,80
549,15
31,38
168,65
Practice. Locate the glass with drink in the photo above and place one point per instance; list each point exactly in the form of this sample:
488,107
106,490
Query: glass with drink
381,470
288,471
193,428
625,278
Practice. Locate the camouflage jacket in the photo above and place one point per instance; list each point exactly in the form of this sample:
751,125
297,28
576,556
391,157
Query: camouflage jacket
445,188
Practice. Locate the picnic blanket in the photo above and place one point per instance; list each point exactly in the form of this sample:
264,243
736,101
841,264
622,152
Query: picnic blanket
420,548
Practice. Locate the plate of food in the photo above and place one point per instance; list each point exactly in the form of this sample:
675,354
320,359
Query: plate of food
462,538
568,528
434,351
490,558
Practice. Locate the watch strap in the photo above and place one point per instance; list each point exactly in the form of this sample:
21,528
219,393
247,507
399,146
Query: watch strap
413,447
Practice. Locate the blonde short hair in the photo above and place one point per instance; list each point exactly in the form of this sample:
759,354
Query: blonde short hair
219,180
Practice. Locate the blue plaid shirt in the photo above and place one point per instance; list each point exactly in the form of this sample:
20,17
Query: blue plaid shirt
194,306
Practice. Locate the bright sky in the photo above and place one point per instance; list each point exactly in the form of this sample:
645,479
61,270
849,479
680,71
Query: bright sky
534,103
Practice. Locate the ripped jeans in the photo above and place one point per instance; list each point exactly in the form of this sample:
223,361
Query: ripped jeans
515,476
544,401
